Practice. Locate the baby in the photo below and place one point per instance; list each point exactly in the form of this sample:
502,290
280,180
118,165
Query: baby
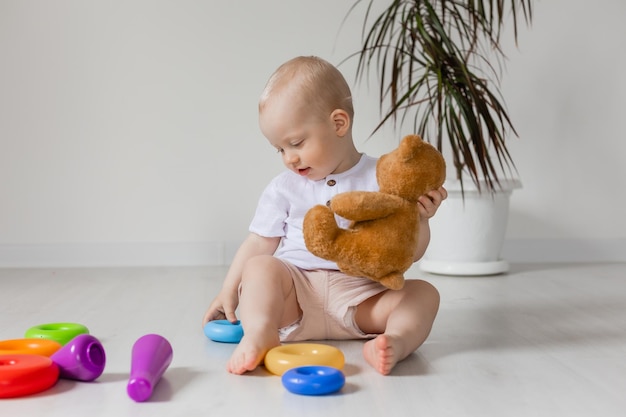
283,292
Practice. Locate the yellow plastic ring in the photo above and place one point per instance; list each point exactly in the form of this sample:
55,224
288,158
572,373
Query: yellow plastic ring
59,332
42,347
282,358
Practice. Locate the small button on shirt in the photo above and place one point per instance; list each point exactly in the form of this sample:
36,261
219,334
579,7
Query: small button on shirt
284,202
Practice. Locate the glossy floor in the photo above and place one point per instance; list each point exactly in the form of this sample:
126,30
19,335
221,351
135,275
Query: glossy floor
544,340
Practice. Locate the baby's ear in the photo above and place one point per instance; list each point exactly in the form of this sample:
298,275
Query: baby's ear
341,121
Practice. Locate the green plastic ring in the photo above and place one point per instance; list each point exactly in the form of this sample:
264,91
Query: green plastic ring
59,332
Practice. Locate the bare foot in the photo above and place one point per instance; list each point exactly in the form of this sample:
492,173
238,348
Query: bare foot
382,353
250,352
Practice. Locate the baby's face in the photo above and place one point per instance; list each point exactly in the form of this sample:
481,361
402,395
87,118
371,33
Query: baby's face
309,145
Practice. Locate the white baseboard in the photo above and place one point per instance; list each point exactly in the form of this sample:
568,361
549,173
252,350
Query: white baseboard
117,254
221,253
564,250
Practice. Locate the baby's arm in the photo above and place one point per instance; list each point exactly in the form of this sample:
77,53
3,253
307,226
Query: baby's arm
226,302
428,205
365,205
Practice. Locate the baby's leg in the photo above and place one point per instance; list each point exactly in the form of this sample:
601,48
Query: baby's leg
267,303
403,318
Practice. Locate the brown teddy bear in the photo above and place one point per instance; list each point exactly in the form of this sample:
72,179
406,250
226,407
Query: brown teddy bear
382,238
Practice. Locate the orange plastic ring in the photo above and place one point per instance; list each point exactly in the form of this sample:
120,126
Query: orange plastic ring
26,374
282,358
43,347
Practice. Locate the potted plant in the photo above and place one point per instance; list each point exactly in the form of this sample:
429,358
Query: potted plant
437,64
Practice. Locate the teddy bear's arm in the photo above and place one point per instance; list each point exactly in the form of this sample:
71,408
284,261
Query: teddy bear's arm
365,205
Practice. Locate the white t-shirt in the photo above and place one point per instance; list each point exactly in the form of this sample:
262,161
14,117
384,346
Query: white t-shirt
288,197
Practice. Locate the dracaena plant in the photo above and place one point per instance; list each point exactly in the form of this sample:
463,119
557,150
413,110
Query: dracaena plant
438,65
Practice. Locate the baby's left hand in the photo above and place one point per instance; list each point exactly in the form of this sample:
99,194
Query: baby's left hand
430,202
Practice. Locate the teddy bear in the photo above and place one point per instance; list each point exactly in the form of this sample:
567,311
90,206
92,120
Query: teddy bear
382,237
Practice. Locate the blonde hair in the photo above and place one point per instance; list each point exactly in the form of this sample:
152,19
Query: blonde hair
313,81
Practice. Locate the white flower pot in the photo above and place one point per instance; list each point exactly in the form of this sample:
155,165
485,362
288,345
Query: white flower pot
467,232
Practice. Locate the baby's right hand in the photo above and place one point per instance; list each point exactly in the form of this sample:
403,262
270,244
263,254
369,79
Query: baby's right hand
222,307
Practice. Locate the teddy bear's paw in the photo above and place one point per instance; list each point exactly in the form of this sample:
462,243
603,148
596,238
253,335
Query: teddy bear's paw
393,281
320,230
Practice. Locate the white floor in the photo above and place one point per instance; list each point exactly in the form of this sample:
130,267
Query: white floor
544,340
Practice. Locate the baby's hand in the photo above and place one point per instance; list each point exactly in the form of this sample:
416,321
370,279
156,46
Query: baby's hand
223,307
429,203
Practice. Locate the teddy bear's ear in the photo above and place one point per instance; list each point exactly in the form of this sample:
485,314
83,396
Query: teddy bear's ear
409,146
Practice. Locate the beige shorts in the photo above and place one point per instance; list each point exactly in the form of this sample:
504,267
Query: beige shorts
328,300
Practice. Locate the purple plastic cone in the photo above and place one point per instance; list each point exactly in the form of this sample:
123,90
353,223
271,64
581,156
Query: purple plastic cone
82,358
151,356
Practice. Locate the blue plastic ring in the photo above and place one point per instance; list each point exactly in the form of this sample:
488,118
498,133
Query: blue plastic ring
313,380
223,331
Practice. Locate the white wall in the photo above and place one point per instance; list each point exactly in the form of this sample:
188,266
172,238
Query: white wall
128,129
566,91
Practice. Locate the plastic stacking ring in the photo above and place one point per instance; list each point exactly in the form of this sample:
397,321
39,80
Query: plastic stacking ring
313,380
42,347
59,332
26,374
282,358
223,331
